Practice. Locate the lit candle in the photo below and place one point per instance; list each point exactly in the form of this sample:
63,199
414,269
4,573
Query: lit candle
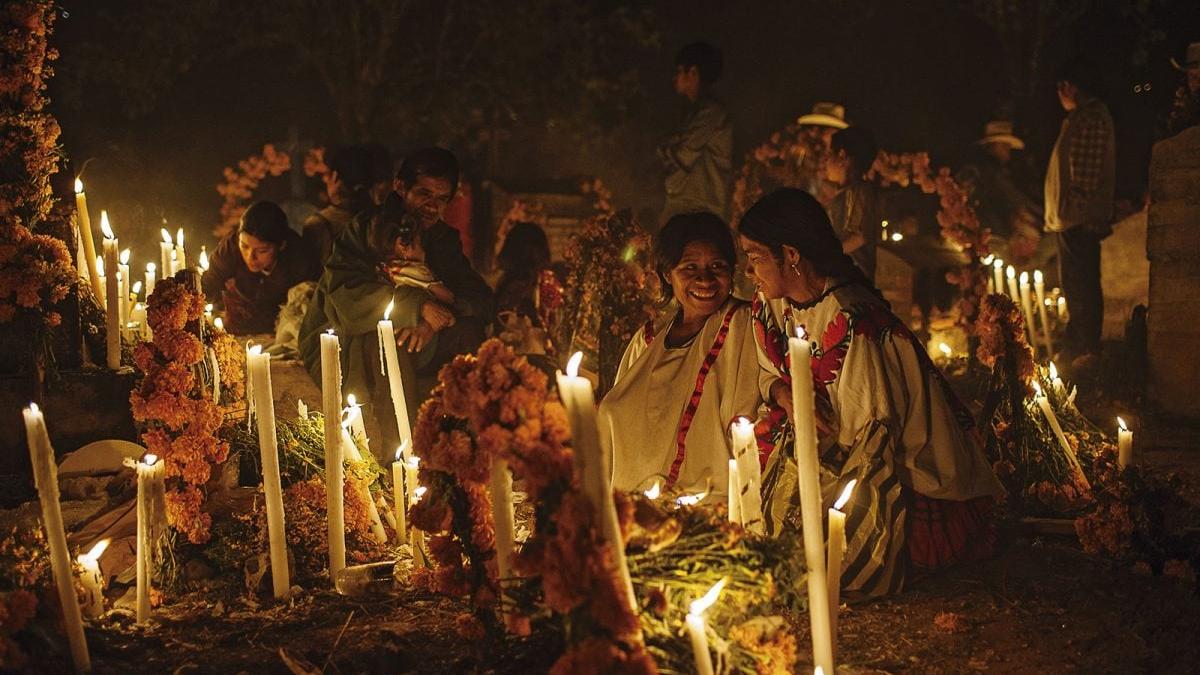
93,580
390,362
1027,308
745,449
180,252
123,281
804,407
358,428
331,397
138,316
1052,420
884,235
1060,389
1013,293
837,547
945,351
500,485
208,310
1124,445
351,452
697,628
150,474
398,495
45,479
165,249
987,266
112,295
1063,314
218,323
85,234
1039,292
594,472
997,275
259,364
150,279
734,497
418,537
203,260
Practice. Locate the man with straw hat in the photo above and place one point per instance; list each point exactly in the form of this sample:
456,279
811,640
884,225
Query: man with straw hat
1003,207
817,129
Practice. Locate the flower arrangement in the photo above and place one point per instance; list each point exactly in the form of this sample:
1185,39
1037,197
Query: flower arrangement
499,407
789,158
25,561
174,400
609,288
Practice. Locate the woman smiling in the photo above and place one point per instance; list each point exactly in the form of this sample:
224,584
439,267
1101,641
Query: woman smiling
686,375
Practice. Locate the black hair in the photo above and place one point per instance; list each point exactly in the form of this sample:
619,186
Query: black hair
860,147
266,221
792,217
685,229
525,251
387,223
1081,72
352,163
432,162
707,59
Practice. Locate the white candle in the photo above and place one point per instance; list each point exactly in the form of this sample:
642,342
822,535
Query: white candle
112,295
416,535
208,311
175,266
85,234
1013,293
804,405
259,364
745,449
580,403
697,628
1060,389
1052,420
837,547
93,580
101,290
997,275
138,316
133,298
180,252
734,496
390,362
1063,314
1039,292
203,260
351,452
150,474
1027,309
358,428
331,398
150,279
123,280
500,485
165,248
45,479
218,323
398,496
1124,445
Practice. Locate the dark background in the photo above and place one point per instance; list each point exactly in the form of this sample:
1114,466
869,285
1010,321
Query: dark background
156,97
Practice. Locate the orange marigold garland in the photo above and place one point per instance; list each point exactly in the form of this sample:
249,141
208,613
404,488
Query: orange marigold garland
174,400
496,405
242,180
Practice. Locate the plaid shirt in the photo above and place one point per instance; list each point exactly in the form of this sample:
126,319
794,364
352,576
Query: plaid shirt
1081,178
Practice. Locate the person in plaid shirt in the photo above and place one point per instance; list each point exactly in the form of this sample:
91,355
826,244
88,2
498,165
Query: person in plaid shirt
1080,181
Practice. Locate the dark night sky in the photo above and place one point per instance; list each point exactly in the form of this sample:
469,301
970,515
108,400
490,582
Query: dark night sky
921,74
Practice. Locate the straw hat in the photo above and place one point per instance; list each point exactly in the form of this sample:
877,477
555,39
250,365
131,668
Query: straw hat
1191,60
1001,131
825,115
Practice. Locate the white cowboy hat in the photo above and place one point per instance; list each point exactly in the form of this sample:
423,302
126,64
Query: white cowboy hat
1001,131
825,115
1191,60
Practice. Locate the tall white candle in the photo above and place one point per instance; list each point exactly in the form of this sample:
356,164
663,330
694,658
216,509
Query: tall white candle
112,296
1027,309
1124,445
132,300
1052,420
85,234
416,536
150,279
500,485
390,362
102,289
398,497
331,404
837,548
1013,293
93,580
1039,292
804,405
697,628
165,248
998,274
580,403
745,449
45,479
259,364
150,474
351,452
180,251
124,283
734,496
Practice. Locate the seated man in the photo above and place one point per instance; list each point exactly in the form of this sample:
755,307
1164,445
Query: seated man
252,269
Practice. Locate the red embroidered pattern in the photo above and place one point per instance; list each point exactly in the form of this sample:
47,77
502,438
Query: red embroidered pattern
685,422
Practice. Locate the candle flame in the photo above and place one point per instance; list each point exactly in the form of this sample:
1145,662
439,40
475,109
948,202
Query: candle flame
1121,424
125,257
1038,277
166,236
33,407
96,551
203,259
220,325
208,308
1024,278
691,500
743,423
998,264
988,260
255,350
945,348
705,601
179,237
1037,389
818,671
883,223
1047,302
845,497
149,459
419,492
351,400
174,255
573,364
388,312
801,333
896,236
137,288
150,267
654,491
78,186
1011,273
413,462
105,228
1053,371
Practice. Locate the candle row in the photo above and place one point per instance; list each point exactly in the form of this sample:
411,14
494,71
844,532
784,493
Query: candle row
1026,297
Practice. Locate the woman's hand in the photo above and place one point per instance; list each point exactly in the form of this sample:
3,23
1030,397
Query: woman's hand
437,315
417,337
